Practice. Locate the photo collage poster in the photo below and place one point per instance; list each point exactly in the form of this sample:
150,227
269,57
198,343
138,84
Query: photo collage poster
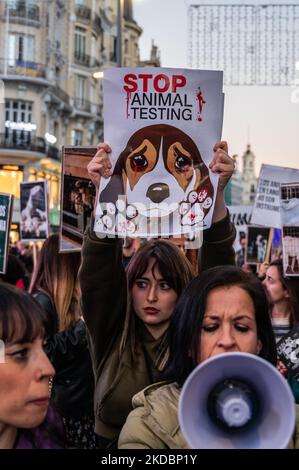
162,125
77,196
289,211
34,222
6,203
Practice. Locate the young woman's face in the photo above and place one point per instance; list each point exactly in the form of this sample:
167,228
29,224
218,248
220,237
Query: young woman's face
229,323
24,384
153,299
274,287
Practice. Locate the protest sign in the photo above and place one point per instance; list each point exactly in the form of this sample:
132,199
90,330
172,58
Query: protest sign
162,125
266,209
77,196
258,244
6,201
289,212
288,351
240,216
34,211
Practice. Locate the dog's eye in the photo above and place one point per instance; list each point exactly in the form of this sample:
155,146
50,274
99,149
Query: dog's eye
182,162
139,163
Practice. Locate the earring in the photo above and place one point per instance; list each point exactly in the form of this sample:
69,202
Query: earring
50,384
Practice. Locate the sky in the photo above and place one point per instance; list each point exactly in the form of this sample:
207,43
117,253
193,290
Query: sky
265,117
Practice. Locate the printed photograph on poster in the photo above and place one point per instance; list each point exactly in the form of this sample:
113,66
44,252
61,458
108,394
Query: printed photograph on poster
77,196
162,125
290,249
258,244
6,204
288,351
240,216
34,224
289,213
267,203
276,246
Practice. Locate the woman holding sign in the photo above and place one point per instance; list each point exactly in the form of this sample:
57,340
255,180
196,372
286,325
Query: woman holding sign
127,314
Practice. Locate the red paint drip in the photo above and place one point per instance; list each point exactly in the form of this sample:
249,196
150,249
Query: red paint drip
201,102
128,101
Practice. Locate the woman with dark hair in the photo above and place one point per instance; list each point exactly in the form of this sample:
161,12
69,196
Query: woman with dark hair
223,310
127,313
283,295
55,286
26,422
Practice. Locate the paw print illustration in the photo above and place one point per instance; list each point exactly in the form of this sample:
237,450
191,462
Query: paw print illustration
202,194
117,218
192,211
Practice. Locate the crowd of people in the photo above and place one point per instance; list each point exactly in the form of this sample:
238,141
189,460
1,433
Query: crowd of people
98,344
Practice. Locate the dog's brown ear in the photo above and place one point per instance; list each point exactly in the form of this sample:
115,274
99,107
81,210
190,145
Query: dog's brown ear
113,190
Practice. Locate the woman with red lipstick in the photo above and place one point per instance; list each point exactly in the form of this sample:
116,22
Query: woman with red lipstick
127,313
26,421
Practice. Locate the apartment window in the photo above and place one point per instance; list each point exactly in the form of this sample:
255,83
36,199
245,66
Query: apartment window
18,122
20,48
80,42
80,87
77,137
79,2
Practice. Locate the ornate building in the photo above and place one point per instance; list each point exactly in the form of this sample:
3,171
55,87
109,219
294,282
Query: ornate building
249,180
49,51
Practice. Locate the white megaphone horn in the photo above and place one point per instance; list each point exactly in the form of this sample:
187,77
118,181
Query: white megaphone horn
236,401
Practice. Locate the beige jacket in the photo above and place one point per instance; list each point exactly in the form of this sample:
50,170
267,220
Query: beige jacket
153,424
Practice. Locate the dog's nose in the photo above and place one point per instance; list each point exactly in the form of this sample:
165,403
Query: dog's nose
158,192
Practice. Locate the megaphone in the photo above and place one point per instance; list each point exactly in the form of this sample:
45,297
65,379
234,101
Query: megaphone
236,401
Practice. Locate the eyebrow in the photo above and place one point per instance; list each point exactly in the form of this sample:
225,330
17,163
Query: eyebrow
240,317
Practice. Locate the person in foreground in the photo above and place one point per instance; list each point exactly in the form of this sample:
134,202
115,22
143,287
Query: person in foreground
127,313
223,310
26,420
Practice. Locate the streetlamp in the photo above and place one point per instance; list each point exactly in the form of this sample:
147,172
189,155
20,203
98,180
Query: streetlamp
120,17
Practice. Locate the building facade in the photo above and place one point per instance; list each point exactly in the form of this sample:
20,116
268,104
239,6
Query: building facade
49,52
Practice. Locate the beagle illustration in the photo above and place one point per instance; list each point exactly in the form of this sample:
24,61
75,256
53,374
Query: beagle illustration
160,169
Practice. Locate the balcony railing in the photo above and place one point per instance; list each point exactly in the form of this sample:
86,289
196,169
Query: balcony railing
82,105
22,12
81,58
24,141
86,60
23,67
83,12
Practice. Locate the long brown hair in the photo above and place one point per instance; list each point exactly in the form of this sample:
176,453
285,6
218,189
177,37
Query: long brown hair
291,285
56,275
174,268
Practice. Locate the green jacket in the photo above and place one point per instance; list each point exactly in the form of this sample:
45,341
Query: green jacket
104,299
153,424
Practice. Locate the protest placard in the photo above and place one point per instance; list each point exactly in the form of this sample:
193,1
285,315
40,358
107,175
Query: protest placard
77,196
288,351
6,201
240,216
266,209
34,224
162,125
258,244
289,212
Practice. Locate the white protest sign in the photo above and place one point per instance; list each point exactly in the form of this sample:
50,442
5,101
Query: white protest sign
240,216
266,209
162,125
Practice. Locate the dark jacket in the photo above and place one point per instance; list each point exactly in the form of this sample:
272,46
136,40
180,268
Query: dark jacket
104,300
73,384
